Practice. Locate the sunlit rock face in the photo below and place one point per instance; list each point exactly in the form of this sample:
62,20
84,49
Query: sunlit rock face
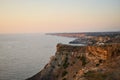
82,63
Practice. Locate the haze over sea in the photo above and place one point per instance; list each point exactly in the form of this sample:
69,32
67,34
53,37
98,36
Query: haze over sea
23,55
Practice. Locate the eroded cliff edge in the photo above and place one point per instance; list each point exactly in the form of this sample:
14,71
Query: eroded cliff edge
82,63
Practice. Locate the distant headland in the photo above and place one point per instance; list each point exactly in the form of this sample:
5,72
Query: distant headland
99,59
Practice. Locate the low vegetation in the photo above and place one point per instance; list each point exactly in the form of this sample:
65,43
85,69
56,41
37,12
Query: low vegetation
66,63
64,73
83,59
91,75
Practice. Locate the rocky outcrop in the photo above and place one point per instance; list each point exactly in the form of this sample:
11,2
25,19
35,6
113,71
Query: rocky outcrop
82,63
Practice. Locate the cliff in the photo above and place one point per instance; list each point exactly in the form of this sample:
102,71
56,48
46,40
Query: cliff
82,63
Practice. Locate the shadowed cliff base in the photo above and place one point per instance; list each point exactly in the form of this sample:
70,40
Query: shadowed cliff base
82,63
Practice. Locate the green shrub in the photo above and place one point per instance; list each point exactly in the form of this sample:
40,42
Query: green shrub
66,64
83,61
97,65
74,76
100,61
57,76
58,64
64,73
78,57
53,66
55,59
73,62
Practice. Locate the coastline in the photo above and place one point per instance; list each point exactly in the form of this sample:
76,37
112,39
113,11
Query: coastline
81,59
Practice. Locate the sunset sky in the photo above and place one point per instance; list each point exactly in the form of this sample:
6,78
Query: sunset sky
34,16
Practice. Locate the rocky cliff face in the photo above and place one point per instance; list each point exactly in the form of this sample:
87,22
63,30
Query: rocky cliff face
82,63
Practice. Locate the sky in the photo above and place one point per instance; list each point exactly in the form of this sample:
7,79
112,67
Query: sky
35,16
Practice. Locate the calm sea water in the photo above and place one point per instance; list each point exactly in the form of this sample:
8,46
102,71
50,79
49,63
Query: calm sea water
24,55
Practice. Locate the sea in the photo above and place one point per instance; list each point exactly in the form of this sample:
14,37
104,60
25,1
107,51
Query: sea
24,55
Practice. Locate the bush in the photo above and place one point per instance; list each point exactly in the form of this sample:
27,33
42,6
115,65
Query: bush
100,61
91,75
59,65
78,57
55,59
65,65
83,61
73,62
64,73
97,65
74,76
57,76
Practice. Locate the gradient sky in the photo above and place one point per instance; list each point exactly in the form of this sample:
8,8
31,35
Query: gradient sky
34,16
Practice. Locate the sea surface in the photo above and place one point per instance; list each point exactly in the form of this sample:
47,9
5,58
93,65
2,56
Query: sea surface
24,55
